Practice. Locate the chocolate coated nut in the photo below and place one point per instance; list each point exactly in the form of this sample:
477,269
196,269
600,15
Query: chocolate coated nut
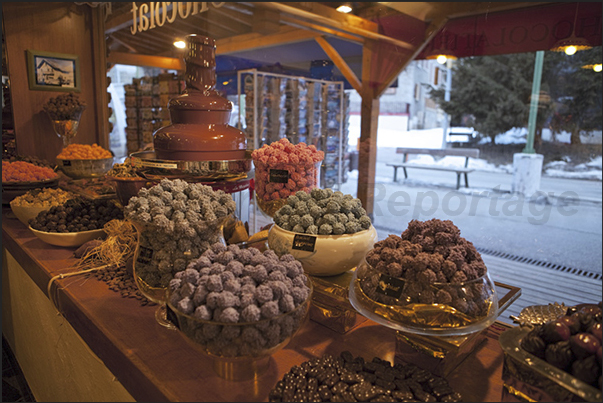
421,375
364,391
325,393
347,356
402,395
339,387
348,396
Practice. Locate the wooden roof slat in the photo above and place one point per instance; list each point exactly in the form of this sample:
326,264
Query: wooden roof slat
139,43
235,16
210,20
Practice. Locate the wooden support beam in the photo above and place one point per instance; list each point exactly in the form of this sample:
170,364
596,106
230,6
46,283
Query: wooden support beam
332,14
369,121
266,21
345,27
323,30
257,41
430,32
124,44
236,16
340,63
99,66
169,63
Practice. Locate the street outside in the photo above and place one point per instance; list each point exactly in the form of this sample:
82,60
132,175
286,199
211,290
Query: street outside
561,224
563,227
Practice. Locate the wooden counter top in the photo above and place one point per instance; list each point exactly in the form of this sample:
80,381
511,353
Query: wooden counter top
157,364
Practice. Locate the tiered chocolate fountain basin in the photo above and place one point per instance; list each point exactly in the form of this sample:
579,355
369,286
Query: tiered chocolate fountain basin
199,144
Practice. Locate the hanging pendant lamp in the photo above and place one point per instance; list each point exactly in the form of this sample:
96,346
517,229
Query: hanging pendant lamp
572,44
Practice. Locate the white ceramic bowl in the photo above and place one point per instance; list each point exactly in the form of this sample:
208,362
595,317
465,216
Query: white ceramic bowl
331,254
25,213
69,239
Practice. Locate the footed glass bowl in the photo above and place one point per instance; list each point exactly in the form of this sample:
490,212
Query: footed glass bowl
85,168
241,350
323,255
437,309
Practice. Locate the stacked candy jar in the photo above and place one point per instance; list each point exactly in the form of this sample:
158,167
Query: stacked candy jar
282,169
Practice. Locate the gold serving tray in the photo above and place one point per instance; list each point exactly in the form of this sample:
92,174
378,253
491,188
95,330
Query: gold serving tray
529,378
148,166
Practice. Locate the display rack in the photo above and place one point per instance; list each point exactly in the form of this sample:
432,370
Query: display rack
146,108
299,108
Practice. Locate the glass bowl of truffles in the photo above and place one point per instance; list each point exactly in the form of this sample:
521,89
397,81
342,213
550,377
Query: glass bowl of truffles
428,281
239,306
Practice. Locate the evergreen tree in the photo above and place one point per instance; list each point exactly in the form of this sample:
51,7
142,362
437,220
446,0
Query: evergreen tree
495,91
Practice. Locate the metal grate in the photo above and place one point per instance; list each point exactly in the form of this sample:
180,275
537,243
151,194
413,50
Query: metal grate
536,262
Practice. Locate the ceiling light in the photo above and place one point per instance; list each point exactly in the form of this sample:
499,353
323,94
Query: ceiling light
180,44
572,44
595,67
344,8
441,56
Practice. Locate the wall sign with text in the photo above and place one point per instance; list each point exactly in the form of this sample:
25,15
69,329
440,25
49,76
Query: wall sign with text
155,14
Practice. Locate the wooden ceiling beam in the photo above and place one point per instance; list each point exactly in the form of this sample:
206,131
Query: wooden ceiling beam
211,20
139,43
236,16
123,43
119,20
132,59
347,72
430,32
254,41
333,23
323,30
332,14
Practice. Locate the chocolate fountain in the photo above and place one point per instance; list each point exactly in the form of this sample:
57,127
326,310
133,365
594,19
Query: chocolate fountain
199,144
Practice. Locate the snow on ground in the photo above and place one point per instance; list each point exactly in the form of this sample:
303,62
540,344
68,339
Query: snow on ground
392,135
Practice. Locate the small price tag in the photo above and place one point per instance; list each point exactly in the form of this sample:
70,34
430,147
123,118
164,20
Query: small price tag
171,316
279,176
304,242
66,163
144,255
390,286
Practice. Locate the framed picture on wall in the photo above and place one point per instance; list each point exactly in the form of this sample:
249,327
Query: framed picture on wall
49,71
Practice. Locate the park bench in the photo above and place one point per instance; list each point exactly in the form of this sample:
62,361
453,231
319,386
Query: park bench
462,152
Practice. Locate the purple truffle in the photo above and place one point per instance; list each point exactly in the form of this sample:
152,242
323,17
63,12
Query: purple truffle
251,313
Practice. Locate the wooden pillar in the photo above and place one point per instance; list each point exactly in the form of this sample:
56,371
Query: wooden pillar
100,70
369,120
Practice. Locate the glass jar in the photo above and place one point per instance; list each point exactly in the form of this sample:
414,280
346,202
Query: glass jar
274,182
160,254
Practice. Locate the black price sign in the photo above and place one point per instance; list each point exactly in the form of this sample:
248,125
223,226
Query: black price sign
279,176
390,286
144,255
171,316
66,163
304,242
